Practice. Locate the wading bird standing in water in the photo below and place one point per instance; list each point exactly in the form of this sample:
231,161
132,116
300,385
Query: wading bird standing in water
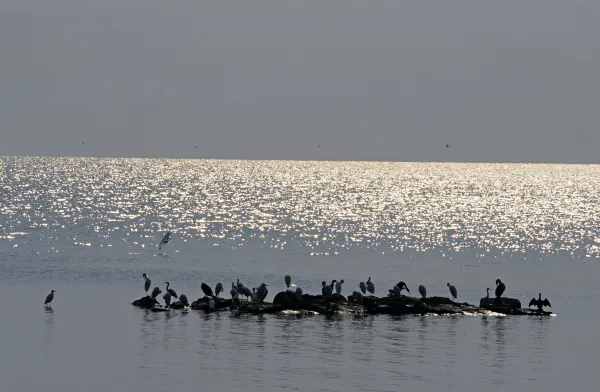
166,238
539,303
50,297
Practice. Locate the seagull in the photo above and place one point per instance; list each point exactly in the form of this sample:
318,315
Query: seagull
539,303
453,291
49,298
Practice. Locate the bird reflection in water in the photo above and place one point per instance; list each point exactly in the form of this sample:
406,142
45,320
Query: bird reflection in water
499,327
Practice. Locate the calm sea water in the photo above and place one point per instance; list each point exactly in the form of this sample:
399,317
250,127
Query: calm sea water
88,228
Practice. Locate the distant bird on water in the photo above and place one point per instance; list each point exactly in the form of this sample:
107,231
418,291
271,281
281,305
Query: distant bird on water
500,287
171,291
370,286
147,282
447,146
206,290
453,291
218,288
49,298
422,291
539,303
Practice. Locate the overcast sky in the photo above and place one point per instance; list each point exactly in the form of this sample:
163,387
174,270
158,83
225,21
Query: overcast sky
511,80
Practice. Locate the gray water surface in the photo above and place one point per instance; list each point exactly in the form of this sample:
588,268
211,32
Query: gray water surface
88,228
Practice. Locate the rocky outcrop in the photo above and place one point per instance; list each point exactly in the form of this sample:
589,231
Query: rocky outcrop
402,305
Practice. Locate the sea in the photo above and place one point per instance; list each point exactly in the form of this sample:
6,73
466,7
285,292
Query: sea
89,227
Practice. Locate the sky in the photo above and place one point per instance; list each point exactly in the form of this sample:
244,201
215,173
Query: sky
501,81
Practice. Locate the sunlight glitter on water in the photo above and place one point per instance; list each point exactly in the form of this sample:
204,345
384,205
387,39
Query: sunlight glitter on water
448,207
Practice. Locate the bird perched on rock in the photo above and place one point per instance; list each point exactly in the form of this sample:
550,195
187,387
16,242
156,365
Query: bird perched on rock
262,292
539,303
500,288
218,288
171,291
422,291
155,292
167,298
363,287
326,290
49,298
370,286
206,290
338,287
288,281
298,293
183,299
453,291
396,291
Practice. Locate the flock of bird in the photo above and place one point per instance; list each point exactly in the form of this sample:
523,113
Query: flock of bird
258,295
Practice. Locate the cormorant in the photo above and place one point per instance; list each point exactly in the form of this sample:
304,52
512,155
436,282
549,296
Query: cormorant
422,291
206,290
539,303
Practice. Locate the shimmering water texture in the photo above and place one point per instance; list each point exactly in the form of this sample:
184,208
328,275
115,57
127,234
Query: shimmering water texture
323,207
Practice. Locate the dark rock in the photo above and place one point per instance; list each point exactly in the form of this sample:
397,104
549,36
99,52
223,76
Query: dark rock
507,303
145,302
257,308
220,303
177,305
